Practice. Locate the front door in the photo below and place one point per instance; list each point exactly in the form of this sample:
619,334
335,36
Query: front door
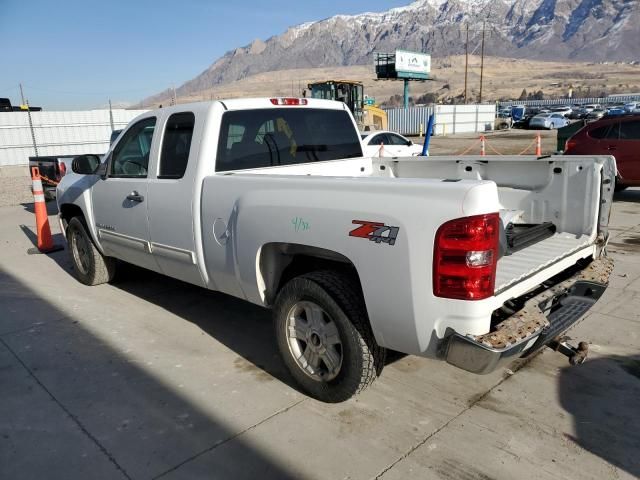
120,199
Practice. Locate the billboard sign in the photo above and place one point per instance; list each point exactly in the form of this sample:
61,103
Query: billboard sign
413,64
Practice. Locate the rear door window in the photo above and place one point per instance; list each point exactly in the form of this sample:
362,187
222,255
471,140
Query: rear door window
614,132
176,145
600,132
397,140
630,130
379,139
285,136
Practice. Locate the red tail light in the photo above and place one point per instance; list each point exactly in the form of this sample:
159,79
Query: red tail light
570,145
63,170
289,101
465,257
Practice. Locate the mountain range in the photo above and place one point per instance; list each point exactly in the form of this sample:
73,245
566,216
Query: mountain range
571,30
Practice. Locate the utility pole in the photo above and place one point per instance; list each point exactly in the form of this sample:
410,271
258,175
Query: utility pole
21,95
482,60
466,64
111,116
33,133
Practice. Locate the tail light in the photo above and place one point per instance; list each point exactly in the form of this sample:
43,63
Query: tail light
465,257
289,101
63,170
570,145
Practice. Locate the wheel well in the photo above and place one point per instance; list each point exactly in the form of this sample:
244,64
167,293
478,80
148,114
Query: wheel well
280,262
68,211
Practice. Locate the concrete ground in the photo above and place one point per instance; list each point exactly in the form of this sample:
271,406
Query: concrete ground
153,378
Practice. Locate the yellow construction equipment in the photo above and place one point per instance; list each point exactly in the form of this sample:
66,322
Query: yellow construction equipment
368,117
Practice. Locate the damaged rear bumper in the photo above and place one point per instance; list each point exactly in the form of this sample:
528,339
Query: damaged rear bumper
542,319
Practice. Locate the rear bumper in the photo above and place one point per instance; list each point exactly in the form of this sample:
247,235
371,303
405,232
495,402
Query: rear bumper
543,318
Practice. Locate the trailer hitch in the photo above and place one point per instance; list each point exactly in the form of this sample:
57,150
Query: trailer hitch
577,355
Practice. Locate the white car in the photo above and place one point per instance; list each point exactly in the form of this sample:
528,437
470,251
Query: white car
548,120
564,110
395,145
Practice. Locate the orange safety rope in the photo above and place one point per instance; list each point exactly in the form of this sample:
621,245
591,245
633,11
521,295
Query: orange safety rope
464,152
528,146
491,147
47,179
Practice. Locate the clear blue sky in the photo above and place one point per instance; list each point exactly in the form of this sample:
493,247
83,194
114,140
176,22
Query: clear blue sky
76,54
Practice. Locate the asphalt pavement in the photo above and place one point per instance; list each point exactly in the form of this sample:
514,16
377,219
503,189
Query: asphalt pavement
151,378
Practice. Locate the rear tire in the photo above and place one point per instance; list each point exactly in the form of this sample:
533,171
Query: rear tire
324,336
89,265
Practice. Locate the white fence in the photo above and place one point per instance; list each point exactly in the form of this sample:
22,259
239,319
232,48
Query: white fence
449,119
58,133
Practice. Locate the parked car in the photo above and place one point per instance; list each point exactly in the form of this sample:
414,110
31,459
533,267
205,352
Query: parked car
529,113
272,201
618,136
596,113
631,106
548,120
577,113
564,110
503,121
395,145
612,112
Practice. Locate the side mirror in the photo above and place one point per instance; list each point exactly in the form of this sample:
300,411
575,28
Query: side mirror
409,143
102,169
85,164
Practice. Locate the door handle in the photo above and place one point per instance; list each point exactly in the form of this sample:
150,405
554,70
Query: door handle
135,196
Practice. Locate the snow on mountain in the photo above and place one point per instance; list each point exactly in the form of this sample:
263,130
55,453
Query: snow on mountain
586,30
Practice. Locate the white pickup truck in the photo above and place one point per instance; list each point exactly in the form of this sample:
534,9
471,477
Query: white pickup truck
474,260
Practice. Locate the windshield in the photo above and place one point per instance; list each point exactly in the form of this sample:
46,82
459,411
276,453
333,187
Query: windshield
285,136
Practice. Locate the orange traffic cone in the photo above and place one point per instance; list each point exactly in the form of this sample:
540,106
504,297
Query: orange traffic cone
45,241
482,149
538,145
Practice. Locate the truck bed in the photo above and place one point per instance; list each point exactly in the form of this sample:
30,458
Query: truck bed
544,190
520,265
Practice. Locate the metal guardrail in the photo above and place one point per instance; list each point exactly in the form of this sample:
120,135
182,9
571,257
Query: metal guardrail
571,101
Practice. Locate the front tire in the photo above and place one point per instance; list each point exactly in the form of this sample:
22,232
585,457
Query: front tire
89,265
324,336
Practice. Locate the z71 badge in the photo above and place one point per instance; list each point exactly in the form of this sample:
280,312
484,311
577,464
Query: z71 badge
375,231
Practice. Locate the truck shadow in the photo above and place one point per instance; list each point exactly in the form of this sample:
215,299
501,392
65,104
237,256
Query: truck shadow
126,420
242,327
602,395
52,207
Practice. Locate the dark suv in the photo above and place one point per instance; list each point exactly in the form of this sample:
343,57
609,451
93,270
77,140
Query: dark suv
618,136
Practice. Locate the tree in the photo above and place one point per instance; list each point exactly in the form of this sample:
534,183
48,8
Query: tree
523,95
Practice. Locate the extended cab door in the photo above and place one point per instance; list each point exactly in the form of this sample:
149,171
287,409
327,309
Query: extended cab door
172,194
120,199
